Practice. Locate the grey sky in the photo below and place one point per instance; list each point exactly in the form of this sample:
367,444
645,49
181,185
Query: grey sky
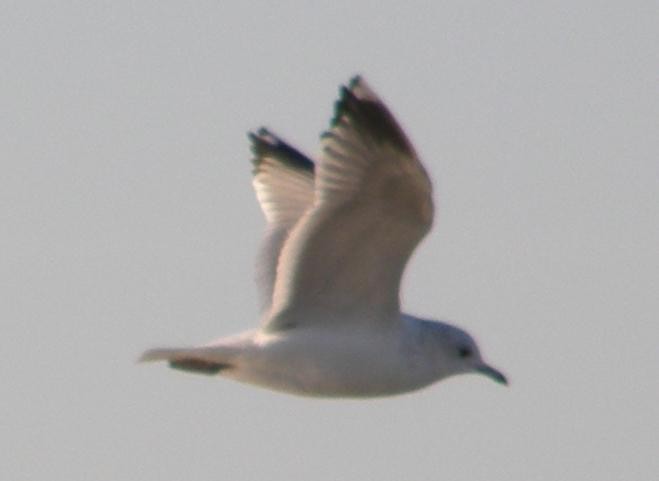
128,221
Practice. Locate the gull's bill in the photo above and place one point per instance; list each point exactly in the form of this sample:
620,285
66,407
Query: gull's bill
492,373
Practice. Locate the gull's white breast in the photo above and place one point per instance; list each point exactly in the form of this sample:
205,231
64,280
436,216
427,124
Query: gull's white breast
336,361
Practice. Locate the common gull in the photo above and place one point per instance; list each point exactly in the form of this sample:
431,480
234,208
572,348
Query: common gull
339,234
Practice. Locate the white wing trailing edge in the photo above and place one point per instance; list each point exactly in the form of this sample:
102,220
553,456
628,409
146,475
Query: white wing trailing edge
345,256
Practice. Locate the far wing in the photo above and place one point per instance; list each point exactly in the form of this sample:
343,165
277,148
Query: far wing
373,204
283,182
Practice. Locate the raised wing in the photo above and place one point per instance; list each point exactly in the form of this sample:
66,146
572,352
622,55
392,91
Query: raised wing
284,185
345,257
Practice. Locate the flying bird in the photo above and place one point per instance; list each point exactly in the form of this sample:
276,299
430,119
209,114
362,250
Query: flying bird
339,234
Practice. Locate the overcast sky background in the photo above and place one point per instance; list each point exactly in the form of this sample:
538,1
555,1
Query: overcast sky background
128,221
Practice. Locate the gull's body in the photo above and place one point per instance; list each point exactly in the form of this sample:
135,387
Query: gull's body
339,235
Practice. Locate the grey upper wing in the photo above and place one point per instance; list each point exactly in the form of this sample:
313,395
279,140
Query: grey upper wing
284,185
373,204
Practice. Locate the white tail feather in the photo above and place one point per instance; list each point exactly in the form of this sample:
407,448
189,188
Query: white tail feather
163,354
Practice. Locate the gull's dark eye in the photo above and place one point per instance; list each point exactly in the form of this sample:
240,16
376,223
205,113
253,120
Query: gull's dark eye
464,351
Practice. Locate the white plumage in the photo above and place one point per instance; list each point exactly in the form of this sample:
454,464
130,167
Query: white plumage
339,235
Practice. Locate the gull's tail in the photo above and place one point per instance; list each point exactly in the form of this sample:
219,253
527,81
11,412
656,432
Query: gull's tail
197,360
163,354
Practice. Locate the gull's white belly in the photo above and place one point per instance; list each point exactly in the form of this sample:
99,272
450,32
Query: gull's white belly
332,362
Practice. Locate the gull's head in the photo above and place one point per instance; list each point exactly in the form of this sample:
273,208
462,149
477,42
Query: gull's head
458,353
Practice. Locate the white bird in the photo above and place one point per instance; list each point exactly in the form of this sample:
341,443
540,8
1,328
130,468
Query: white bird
339,235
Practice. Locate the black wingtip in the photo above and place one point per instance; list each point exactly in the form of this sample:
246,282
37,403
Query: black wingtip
266,144
354,81
368,114
346,98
